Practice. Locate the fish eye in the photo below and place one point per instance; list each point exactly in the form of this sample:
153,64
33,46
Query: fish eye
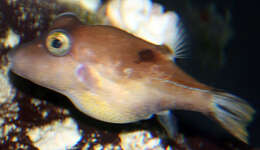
58,42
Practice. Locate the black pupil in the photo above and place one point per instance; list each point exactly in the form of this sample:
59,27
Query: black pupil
56,43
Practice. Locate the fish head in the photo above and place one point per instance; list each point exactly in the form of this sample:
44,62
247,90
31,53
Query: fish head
48,60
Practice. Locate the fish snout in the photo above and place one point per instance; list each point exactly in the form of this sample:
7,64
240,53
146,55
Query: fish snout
17,61
17,54
10,54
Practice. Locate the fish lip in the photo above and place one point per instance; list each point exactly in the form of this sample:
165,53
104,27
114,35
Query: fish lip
10,58
10,54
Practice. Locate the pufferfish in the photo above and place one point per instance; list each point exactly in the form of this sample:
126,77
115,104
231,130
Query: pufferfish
115,77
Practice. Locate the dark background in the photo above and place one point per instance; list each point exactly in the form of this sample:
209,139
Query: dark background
240,72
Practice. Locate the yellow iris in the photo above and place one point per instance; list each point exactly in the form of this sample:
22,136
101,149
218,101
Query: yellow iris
58,43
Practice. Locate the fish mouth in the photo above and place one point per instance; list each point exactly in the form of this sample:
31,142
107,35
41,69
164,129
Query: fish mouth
11,62
10,55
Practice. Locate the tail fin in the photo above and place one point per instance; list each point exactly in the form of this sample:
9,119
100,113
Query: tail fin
233,113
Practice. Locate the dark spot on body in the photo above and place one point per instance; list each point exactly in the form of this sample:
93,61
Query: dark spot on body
146,55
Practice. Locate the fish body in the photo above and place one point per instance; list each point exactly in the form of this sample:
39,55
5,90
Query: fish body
116,77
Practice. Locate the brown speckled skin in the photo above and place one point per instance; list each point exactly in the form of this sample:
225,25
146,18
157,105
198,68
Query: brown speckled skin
123,78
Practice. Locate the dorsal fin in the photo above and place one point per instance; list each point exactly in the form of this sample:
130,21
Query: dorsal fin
179,43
